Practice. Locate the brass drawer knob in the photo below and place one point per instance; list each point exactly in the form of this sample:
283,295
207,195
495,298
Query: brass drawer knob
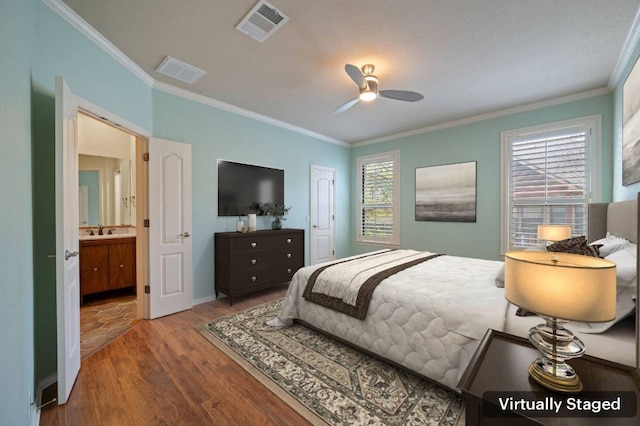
288,240
253,279
288,270
253,261
254,244
288,255
95,269
122,266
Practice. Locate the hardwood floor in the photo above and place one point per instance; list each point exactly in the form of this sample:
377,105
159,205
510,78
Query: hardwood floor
163,372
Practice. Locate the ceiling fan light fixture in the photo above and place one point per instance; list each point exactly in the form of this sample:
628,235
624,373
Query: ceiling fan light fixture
371,92
368,88
367,95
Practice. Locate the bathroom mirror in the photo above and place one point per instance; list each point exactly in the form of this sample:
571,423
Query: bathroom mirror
106,174
105,194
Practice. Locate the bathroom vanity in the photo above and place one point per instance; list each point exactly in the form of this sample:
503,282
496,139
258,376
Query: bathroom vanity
107,262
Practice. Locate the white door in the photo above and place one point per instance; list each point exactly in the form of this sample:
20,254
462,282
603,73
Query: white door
322,195
67,265
170,253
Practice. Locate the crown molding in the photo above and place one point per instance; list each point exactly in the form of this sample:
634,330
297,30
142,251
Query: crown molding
628,47
186,94
488,116
92,34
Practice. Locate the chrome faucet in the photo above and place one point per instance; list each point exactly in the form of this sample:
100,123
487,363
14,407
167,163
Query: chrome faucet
100,229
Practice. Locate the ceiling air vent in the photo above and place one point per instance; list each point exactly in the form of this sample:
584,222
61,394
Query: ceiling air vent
262,21
180,70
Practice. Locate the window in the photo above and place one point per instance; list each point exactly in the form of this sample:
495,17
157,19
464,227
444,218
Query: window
378,191
549,175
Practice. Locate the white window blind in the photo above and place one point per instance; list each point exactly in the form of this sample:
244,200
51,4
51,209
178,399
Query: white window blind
549,174
377,200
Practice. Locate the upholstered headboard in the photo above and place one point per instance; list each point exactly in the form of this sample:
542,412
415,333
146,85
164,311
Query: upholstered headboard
619,218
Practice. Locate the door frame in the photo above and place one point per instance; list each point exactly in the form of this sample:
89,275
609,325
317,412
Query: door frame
142,234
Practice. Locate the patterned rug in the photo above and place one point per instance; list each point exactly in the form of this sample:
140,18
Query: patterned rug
327,381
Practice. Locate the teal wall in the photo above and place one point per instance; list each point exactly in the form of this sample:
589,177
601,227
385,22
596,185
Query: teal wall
215,134
16,249
621,192
479,141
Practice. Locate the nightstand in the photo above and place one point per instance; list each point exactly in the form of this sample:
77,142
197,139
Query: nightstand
500,365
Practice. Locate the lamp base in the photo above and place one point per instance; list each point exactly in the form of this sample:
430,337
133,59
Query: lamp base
555,376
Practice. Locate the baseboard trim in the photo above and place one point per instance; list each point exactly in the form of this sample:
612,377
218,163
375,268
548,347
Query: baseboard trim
35,415
204,300
42,385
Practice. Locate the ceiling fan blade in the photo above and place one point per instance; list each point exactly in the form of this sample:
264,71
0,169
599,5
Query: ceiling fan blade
356,75
400,95
345,106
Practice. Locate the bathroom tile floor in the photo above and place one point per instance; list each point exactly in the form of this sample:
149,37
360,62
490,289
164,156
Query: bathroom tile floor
103,320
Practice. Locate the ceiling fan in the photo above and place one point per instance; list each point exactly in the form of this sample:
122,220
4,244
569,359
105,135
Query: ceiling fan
368,86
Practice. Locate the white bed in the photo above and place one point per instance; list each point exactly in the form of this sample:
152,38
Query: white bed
434,329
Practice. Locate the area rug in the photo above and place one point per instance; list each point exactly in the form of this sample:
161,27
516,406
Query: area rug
325,380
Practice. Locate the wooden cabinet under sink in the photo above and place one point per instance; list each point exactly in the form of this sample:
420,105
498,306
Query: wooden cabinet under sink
107,264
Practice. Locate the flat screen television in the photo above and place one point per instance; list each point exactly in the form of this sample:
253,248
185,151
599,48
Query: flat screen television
240,186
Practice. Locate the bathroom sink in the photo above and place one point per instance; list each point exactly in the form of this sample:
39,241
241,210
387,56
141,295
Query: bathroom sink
105,236
117,233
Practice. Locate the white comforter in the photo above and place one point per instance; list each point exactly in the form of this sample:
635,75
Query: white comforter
428,318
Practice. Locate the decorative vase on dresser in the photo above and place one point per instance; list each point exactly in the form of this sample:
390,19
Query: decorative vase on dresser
247,262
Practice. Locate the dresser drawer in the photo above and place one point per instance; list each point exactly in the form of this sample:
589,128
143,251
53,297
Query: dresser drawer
264,276
251,261
253,244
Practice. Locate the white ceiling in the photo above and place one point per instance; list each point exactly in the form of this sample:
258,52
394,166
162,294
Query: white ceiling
467,57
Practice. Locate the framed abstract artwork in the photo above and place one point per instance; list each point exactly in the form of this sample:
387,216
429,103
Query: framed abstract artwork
631,127
446,193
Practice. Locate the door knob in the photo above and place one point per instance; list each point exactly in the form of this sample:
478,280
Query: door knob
315,226
68,254
184,235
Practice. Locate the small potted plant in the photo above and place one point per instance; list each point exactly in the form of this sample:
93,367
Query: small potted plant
275,210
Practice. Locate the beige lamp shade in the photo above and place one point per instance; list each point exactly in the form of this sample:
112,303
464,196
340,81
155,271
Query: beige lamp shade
554,232
561,285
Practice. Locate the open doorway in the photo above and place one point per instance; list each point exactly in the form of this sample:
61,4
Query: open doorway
108,224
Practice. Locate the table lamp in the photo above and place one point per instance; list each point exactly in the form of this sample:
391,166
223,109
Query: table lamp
560,287
553,232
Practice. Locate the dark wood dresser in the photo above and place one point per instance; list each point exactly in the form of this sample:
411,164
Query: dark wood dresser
247,262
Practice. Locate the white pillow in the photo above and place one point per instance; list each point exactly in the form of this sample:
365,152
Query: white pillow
611,244
626,289
625,261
